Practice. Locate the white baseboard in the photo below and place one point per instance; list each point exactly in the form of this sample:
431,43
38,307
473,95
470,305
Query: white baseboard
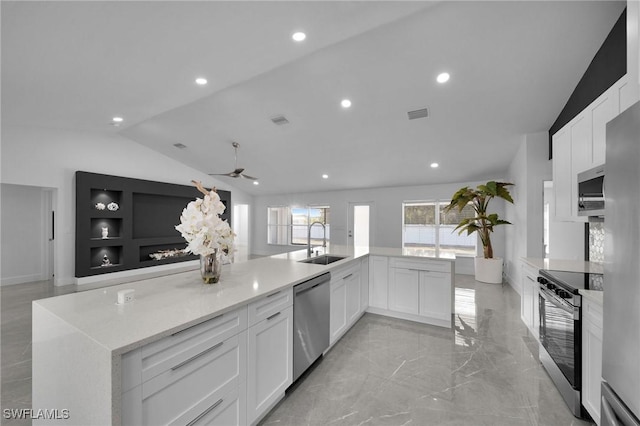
22,279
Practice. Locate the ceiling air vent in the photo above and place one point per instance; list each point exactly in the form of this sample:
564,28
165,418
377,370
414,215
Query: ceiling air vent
419,113
179,145
280,120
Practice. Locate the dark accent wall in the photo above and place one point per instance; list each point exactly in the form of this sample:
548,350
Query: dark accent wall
608,66
142,224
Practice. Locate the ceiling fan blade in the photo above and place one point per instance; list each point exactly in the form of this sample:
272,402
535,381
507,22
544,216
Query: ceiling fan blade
232,174
248,177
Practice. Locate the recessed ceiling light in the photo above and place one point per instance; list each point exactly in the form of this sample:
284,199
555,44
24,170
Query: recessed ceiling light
346,103
299,36
325,176
255,182
117,119
443,77
201,81
434,165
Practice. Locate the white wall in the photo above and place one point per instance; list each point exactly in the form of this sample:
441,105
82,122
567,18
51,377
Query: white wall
50,157
528,170
386,215
24,234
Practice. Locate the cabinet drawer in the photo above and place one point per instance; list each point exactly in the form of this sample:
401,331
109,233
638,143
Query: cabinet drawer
345,270
225,411
157,357
181,394
269,305
420,265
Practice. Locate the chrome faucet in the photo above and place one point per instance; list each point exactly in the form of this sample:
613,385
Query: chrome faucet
324,237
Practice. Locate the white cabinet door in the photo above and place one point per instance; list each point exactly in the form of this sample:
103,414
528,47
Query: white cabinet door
378,282
364,284
403,290
338,310
270,362
602,111
626,93
530,313
562,176
525,303
435,295
591,357
581,148
352,282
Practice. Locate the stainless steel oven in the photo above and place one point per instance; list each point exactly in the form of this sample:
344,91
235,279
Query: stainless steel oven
561,330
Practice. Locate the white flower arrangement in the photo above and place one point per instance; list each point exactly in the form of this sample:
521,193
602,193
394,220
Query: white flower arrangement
202,227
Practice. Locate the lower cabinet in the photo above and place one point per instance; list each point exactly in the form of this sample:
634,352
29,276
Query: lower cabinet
591,357
378,282
419,290
404,285
346,299
270,362
435,295
529,299
229,370
194,373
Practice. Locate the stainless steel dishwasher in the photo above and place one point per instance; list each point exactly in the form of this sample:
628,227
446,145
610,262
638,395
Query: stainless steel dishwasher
310,322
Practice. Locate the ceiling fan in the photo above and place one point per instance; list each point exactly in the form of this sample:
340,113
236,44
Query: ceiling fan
238,172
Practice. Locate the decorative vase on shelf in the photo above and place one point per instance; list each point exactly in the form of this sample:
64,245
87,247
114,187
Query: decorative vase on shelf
210,267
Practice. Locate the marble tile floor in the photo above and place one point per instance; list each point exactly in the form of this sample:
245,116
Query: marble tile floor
393,372
383,371
15,342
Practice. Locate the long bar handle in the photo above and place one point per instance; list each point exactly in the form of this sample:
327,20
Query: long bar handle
195,325
193,358
205,412
274,315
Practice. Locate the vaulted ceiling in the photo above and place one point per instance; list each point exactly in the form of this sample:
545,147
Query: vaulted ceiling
513,65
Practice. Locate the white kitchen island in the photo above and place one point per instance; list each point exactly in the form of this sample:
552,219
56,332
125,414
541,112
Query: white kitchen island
100,360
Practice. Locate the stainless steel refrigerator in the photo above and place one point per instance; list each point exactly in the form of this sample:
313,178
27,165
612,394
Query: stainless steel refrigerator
620,404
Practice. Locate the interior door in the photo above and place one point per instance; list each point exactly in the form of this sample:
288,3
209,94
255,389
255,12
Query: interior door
360,224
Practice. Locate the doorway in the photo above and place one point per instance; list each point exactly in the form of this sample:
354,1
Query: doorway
360,223
240,225
27,234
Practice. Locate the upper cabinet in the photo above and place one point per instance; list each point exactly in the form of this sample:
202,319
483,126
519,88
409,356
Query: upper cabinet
581,145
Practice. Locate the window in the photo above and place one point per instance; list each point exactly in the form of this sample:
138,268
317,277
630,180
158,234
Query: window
290,225
427,229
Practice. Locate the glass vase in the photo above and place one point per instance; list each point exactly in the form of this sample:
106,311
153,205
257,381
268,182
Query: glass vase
210,268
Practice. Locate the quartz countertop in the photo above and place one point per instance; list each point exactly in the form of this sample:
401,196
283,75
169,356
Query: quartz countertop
564,265
355,252
166,304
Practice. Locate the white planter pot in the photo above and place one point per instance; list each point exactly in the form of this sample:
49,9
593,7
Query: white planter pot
489,270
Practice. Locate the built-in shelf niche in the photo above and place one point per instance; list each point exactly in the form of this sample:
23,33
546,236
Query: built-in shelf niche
106,258
105,197
148,250
141,222
113,228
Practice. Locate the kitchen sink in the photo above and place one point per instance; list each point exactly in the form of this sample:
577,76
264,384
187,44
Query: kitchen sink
325,259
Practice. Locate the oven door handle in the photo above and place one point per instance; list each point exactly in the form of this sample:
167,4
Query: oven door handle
575,311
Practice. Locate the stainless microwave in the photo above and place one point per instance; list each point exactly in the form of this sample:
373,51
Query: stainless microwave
591,192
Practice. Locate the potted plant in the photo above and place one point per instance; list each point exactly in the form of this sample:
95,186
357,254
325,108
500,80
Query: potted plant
487,268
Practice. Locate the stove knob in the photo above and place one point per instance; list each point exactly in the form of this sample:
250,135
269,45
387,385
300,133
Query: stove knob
542,280
564,294
551,286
